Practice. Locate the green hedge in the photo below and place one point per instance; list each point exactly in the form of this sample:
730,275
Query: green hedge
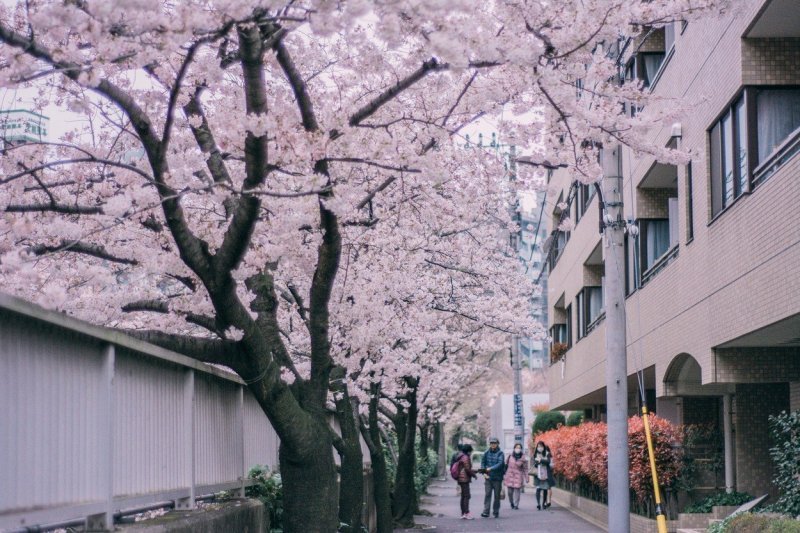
721,498
547,420
785,433
756,523
575,418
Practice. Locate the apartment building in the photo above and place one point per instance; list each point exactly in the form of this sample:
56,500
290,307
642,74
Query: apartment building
527,242
21,126
713,277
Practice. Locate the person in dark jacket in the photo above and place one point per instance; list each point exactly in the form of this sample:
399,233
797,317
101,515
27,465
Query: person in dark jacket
465,476
493,466
542,473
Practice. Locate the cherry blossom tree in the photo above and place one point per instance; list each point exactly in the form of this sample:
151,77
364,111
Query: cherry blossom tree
280,187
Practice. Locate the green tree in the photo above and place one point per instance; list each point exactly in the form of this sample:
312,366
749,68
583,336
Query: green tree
575,418
547,420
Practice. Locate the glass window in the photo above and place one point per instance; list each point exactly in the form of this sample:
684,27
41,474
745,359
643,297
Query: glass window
651,62
778,115
727,160
655,235
729,157
594,297
740,113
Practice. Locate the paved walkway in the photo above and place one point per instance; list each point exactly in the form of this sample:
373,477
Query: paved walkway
443,504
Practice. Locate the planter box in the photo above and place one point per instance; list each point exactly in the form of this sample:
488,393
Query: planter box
694,520
721,512
597,513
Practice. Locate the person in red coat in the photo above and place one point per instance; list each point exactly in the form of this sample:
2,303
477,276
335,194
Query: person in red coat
465,476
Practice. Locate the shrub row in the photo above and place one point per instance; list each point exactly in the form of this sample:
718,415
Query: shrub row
580,453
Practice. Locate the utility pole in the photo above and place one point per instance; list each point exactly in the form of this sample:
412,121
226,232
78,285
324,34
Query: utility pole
519,418
616,356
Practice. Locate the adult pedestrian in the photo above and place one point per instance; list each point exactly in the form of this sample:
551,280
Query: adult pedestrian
465,476
516,474
542,474
493,468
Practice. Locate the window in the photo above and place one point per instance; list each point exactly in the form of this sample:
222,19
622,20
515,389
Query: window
654,241
589,304
568,313
777,117
631,268
749,141
729,170
583,198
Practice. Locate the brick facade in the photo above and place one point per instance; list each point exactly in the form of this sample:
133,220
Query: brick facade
737,277
771,61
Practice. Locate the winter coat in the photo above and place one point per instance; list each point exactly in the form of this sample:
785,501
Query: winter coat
544,459
465,471
516,471
494,463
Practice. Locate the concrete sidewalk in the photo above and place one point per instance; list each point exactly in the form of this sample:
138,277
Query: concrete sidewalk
443,504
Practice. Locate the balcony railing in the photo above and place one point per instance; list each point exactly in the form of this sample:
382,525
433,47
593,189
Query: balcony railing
787,150
659,265
596,322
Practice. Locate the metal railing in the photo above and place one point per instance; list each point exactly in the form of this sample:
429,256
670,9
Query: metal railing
94,423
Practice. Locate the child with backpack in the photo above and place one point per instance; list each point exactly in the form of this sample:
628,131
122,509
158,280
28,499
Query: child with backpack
461,470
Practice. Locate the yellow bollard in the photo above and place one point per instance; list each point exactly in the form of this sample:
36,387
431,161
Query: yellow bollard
661,520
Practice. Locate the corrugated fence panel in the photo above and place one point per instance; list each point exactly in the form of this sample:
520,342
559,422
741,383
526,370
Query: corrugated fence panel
149,426
50,386
260,440
216,431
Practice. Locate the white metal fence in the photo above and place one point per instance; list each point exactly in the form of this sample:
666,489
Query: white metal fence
93,422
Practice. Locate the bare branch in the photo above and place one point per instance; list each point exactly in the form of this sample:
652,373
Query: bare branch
152,306
79,247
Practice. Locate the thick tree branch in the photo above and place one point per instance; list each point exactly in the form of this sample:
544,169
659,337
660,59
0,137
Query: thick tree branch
80,247
55,208
391,93
298,87
152,306
215,351
245,216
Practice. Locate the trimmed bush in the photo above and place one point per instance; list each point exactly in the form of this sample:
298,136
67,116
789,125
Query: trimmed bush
756,523
547,421
575,418
785,433
721,498
580,454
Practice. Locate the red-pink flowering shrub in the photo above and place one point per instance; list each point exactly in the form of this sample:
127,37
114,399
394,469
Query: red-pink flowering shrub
580,454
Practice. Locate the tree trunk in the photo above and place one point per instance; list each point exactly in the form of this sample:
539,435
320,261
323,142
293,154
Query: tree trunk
380,476
405,493
424,441
309,485
351,486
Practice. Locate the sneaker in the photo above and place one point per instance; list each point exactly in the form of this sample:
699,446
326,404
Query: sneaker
468,516
497,515
539,507
547,505
463,517
484,515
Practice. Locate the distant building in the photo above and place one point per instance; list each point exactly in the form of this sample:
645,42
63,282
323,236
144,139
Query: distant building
528,243
501,417
22,126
